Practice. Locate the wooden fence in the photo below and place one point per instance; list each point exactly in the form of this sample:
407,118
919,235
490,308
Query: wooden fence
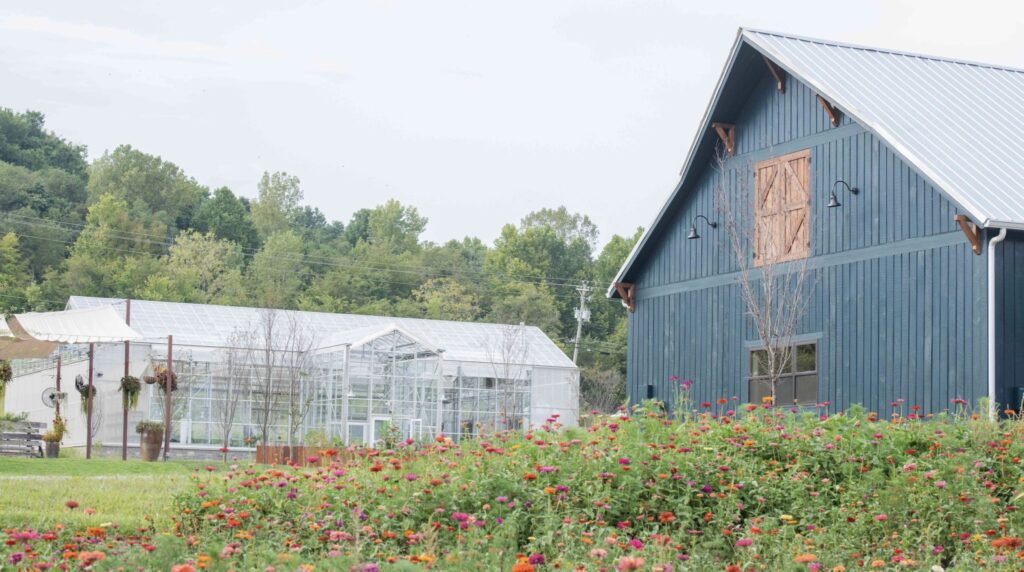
21,438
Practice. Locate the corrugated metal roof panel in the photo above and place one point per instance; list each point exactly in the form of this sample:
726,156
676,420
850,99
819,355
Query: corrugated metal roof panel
958,123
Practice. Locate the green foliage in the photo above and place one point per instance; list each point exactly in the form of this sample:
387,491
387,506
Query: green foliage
7,418
200,268
136,225
446,299
528,304
278,200
149,427
277,271
114,254
148,184
130,388
25,142
395,227
14,275
762,488
57,432
568,227
227,217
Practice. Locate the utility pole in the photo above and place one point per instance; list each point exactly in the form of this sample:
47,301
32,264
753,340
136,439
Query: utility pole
582,315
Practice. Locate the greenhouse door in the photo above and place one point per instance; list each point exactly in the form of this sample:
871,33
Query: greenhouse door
356,433
380,429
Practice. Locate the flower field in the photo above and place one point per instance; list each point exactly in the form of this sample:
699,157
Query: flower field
753,489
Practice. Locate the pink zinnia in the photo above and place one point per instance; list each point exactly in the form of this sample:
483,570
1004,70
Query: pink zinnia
744,542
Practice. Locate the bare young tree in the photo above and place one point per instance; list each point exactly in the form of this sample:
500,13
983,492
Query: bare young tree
236,373
602,390
266,360
769,236
508,354
298,342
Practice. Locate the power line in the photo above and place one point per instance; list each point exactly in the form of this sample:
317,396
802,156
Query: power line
166,243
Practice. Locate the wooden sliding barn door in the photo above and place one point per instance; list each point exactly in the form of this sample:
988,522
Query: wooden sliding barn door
782,208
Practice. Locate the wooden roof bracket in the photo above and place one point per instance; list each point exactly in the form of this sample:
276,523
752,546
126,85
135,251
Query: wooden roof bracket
778,73
727,133
971,231
833,113
627,291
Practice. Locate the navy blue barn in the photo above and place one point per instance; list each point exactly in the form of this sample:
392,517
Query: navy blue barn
898,303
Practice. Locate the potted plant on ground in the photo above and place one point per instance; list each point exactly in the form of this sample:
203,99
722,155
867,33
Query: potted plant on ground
54,436
151,434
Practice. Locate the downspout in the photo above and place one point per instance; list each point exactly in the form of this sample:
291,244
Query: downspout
992,322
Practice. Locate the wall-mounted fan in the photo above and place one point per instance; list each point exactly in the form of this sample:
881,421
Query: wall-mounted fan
51,396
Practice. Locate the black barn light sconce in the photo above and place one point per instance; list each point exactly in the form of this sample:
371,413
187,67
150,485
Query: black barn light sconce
833,201
693,227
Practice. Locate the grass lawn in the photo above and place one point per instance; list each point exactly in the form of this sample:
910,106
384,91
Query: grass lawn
33,492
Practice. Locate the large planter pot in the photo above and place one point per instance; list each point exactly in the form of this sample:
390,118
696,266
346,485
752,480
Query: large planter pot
150,445
52,449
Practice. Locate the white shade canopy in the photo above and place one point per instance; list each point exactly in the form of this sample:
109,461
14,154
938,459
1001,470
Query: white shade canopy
13,348
99,324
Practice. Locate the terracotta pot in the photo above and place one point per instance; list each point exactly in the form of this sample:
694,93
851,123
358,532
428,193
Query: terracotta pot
150,445
52,449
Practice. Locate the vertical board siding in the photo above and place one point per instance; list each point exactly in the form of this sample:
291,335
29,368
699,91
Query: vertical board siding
889,329
911,325
894,203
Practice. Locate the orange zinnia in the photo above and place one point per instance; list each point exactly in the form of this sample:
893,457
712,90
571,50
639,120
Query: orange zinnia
805,558
89,557
1007,542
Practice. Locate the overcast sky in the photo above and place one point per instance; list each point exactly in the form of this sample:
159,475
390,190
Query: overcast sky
475,112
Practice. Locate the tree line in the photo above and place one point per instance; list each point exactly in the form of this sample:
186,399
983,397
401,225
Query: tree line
133,225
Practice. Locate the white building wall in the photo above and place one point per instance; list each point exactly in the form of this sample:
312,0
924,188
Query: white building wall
24,394
555,390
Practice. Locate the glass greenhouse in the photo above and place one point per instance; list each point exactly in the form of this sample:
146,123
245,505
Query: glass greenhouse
291,375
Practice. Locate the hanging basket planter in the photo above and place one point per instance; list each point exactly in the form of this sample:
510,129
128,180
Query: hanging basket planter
130,389
6,375
87,393
159,377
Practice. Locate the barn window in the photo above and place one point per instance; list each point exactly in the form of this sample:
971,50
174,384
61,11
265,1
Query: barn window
782,208
799,380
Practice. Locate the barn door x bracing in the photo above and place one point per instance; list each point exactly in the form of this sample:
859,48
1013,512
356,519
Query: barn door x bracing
782,207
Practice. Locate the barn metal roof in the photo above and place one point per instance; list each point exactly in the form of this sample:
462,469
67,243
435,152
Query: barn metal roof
957,122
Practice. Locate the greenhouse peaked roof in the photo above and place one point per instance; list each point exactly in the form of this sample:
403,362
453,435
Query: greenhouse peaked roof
211,326
365,336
